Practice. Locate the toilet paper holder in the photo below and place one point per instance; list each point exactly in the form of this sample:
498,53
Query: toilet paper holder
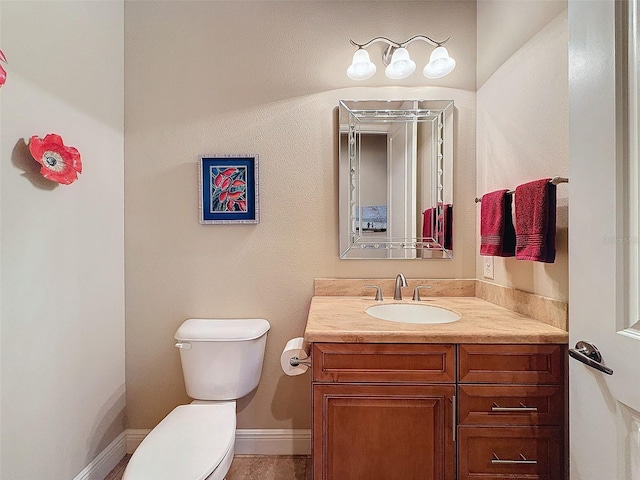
295,357
295,362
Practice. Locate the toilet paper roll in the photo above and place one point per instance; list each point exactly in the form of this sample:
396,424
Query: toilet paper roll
294,349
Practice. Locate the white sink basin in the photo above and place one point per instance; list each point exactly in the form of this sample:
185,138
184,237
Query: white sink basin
412,313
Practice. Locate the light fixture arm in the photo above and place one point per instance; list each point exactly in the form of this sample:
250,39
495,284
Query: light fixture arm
425,39
375,40
393,44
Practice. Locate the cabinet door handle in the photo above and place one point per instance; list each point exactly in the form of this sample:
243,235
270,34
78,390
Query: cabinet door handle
521,408
521,461
455,417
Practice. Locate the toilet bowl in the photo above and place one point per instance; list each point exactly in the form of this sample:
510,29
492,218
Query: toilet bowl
221,361
193,442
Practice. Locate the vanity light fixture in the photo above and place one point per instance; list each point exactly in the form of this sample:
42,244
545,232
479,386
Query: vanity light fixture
396,58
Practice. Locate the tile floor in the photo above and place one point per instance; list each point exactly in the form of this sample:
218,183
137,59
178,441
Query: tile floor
252,467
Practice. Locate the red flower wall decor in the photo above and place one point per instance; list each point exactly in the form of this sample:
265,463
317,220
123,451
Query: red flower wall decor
59,163
3,73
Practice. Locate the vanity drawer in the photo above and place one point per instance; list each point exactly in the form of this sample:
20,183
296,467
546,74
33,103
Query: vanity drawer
510,405
524,364
497,453
381,362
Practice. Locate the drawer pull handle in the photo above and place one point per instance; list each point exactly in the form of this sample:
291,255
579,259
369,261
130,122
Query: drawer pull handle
522,461
521,408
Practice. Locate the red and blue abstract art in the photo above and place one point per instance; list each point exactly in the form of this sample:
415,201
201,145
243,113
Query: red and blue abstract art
229,189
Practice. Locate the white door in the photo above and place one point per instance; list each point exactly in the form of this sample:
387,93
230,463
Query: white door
603,244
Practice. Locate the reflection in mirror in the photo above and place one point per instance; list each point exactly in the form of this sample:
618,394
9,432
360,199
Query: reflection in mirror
396,179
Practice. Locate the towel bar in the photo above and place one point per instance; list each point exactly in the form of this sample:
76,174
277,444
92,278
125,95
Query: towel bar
554,180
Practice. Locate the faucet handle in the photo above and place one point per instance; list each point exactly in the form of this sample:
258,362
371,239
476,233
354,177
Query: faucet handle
378,291
416,292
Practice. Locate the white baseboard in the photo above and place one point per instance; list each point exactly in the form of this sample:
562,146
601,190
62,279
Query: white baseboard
250,441
134,438
105,461
273,442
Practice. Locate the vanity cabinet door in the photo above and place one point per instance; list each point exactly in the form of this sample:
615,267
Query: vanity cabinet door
390,432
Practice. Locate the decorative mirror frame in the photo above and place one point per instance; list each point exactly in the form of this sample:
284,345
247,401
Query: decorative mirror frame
358,117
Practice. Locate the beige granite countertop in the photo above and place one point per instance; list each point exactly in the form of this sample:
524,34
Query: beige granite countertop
343,319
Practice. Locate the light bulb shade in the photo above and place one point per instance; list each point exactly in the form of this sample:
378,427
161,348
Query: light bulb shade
361,68
440,64
401,65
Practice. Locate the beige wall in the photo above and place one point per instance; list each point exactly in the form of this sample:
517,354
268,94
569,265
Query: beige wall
522,127
265,78
504,26
62,296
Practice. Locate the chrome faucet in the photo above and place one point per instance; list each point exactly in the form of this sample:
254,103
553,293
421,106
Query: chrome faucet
401,281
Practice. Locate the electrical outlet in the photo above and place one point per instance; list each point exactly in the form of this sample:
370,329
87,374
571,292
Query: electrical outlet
488,267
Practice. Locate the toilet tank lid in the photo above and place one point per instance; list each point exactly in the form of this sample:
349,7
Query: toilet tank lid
222,330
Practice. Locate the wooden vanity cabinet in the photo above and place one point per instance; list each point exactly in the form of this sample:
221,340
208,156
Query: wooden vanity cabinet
398,411
511,412
383,411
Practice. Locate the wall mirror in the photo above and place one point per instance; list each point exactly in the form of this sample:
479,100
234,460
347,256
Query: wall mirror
396,179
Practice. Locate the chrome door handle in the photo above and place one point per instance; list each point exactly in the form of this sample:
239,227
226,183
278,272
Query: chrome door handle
588,354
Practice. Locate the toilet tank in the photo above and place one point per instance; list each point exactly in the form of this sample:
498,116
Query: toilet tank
221,358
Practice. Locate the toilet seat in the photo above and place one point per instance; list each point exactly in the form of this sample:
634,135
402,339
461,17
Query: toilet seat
188,444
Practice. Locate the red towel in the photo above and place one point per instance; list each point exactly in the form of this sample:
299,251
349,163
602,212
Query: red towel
497,235
444,226
437,226
427,224
536,221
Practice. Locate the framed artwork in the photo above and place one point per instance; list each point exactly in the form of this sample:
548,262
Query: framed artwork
229,189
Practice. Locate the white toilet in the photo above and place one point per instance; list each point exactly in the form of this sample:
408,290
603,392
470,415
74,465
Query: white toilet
221,362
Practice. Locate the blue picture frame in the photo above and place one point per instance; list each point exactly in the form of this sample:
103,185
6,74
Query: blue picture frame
229,189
